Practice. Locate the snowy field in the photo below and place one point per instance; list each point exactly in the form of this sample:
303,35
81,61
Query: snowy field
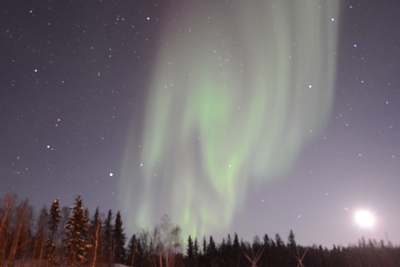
36,264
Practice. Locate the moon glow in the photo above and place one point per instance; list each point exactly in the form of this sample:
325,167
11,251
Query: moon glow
364,218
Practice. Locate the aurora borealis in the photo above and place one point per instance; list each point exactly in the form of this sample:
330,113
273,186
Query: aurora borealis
236,92
248,117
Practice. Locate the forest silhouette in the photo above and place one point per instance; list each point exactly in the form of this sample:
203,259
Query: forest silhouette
69,236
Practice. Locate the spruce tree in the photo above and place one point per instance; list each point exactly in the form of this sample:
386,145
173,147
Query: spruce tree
77,240
119,239
196,249
237,250
203,258
204,245
280,248
132,250
95,239
53,222
229,251
190,251
212,251
108,240
291,241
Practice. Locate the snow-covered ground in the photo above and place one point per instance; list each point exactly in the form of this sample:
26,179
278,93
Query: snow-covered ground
26,263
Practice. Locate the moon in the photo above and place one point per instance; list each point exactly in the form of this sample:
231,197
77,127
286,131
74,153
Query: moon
365,218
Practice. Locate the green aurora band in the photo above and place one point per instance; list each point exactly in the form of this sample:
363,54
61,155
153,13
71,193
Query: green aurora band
238,89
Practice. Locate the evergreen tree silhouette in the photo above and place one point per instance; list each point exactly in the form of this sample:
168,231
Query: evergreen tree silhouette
132,251
108,240
95,237
190,252
53,222
119,240
77,240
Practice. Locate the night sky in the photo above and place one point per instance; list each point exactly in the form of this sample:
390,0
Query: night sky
254,117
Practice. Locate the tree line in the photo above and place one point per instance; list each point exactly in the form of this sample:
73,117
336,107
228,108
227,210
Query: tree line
69,236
